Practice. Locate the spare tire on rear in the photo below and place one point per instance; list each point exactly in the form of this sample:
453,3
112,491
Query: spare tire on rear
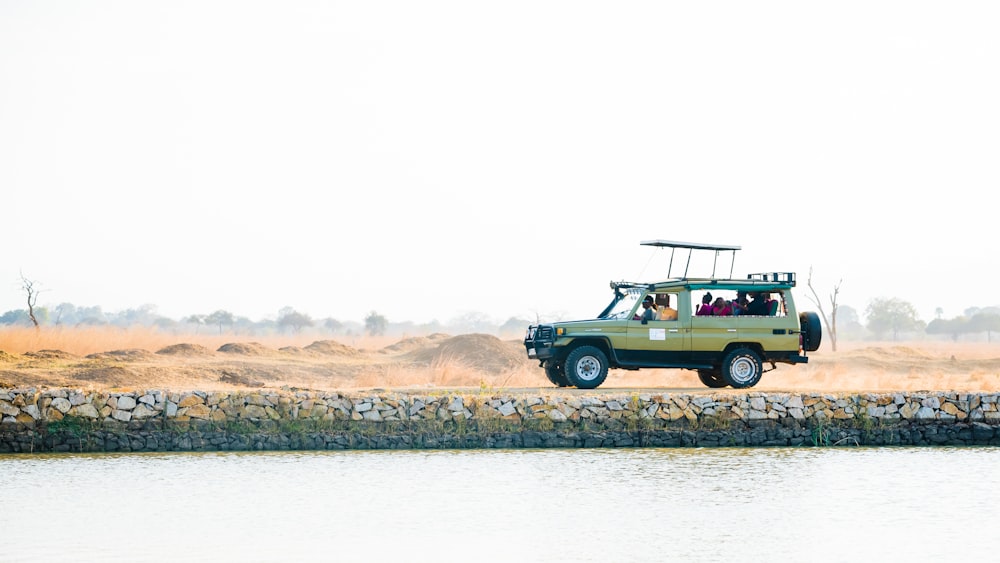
812,331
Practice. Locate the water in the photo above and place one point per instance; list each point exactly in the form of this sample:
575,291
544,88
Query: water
826,504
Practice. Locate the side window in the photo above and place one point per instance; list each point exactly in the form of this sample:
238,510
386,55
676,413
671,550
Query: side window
730,303
766,304
719,303
761,303
778,307
666,306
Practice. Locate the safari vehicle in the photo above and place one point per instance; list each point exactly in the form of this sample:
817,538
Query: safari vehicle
726,348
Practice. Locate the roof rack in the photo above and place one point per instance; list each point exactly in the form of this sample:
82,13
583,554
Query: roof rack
777,277
673,245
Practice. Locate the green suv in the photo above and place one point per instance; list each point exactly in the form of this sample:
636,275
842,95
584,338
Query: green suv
726,329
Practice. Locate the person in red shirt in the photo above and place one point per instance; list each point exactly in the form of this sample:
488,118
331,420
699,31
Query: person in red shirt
706,305
721,308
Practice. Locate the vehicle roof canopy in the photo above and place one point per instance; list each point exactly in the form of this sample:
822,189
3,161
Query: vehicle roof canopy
674,245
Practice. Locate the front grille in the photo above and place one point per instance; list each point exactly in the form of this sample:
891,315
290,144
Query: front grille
539,333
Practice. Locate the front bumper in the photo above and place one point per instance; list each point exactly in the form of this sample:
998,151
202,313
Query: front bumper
539,351
539,342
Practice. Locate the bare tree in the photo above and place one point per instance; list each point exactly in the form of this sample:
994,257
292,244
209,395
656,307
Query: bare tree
29,287
831,321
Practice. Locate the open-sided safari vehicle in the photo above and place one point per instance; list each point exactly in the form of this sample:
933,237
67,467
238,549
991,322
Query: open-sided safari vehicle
724,328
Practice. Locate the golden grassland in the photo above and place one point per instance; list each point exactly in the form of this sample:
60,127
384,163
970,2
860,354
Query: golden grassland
101,358
91,340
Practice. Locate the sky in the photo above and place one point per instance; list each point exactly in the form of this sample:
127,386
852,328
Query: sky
429,160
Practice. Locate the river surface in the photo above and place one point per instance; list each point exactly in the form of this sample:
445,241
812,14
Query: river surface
727,504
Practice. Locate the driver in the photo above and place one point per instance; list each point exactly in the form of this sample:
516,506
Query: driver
649,310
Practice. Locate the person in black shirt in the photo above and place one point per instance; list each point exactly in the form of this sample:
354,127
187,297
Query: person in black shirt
758,306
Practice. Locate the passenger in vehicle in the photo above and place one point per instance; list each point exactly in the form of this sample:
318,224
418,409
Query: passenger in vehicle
665,312
648,310
721,308
759,305
772,306
740,303
706,305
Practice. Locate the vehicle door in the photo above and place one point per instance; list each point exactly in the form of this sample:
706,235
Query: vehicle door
776,331
659,341
711,334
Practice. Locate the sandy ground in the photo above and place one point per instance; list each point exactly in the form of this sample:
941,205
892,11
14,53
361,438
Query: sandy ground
476,361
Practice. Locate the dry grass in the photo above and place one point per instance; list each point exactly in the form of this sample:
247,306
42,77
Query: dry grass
90,340
101,358
892,366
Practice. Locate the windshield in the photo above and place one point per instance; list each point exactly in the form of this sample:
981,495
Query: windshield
622,307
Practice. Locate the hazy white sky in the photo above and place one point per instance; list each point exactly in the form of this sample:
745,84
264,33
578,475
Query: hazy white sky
428,159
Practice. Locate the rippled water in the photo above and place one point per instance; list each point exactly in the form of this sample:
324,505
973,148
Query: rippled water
832,504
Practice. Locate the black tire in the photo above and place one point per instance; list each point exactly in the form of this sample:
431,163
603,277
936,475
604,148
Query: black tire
711,378
556,374
741,368
586,367
812,331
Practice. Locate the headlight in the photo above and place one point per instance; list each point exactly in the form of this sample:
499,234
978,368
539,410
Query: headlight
560,331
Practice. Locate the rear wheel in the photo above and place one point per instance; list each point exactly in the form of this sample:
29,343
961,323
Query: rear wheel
711,378
741,368
556,374
586,367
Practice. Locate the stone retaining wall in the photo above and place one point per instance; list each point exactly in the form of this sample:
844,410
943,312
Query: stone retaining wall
39,420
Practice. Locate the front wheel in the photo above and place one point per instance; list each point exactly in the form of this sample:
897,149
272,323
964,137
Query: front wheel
711,378
741,368
586,367
556,374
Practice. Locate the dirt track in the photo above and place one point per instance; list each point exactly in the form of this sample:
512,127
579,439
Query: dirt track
477,361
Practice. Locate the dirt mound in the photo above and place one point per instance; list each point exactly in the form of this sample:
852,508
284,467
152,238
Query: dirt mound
332,348
478,351
414,343
184,349
5,357
245,349
50,355
408,345
131,355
